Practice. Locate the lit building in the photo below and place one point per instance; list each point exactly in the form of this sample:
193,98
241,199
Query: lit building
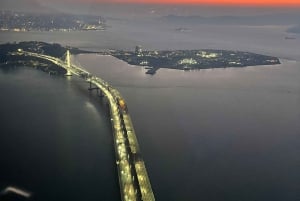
138,50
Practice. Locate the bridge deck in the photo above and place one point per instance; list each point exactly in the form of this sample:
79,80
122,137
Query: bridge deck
133,178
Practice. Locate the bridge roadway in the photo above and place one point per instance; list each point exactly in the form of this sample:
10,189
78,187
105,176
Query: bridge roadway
133,178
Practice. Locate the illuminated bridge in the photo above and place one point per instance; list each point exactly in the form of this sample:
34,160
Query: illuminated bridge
133,178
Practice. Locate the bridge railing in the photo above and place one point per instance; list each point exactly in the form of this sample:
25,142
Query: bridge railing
133,177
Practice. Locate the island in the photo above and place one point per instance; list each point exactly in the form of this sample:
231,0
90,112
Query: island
192,59
152,60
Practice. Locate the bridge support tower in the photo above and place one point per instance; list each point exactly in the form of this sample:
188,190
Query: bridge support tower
68,61
99,92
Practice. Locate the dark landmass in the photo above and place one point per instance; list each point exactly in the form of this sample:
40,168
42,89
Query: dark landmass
153,60
182,29
295,29
275,19
9,57
19,21
289,38
193,59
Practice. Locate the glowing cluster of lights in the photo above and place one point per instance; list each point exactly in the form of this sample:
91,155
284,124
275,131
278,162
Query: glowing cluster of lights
208,55
144,63
190,61
129,191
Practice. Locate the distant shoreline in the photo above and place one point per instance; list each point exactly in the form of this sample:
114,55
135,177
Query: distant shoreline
193,59
153,60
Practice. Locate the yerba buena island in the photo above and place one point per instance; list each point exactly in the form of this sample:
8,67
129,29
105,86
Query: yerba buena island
152,60
192,59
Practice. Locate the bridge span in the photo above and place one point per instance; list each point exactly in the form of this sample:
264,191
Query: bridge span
133,178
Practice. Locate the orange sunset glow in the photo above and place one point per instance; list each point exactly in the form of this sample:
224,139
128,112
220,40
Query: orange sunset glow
210,2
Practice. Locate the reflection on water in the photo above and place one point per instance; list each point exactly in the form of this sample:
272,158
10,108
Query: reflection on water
56,138
218,134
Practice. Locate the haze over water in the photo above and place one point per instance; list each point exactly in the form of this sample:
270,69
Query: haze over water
220,134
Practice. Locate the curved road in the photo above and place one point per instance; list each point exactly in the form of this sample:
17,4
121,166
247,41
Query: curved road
133,178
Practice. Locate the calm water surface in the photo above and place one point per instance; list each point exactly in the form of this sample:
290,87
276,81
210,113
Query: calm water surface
55,139
224,134
221,134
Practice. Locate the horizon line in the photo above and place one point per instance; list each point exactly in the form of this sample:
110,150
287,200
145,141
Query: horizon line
192,3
